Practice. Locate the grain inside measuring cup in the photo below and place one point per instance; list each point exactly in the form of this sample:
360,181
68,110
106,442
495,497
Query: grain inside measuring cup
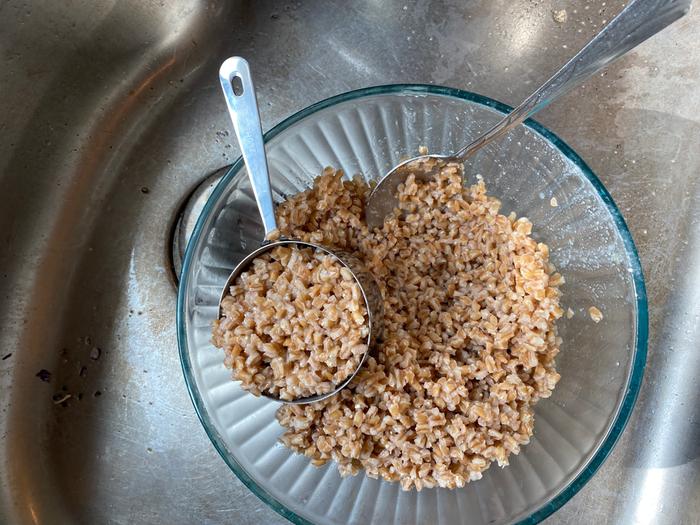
294,324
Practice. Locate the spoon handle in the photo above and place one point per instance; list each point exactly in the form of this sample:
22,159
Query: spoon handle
635,23
239,93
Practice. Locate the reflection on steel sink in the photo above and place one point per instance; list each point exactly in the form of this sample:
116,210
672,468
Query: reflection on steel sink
112,116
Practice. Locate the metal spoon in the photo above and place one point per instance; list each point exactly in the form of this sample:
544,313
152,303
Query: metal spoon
637,22
239,92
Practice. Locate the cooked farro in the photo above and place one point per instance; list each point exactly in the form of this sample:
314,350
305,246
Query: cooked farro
595,314
294,325
469,342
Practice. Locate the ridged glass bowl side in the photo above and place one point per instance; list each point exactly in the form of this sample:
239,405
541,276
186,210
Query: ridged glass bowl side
368,131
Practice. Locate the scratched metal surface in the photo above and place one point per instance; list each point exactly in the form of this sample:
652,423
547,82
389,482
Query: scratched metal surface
111,114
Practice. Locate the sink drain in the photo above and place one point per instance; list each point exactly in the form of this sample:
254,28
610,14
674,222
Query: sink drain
186,218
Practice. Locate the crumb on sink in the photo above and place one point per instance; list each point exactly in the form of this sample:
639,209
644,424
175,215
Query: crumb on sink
553,202
559,15
44,375
58,398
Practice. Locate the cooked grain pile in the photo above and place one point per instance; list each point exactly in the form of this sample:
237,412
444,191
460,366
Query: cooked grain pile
294,325
469,343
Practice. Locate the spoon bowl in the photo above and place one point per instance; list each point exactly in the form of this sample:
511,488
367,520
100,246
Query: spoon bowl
382,199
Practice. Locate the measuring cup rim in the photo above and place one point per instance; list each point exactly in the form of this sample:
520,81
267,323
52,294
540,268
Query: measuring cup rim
269,245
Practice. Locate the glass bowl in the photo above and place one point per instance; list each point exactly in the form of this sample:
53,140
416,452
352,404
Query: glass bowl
368,131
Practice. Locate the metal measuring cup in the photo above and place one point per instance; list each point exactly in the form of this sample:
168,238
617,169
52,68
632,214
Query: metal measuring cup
239,93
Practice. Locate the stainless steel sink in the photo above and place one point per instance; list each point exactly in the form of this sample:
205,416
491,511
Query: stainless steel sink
112,116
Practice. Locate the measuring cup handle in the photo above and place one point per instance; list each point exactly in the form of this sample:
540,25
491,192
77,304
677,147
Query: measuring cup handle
239,93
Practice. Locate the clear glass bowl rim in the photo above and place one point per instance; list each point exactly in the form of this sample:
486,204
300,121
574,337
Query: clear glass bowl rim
634,380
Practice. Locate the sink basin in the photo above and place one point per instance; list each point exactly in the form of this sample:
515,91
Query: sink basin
113,119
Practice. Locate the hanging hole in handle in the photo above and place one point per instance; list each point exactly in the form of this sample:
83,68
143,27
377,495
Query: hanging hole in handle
237,84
